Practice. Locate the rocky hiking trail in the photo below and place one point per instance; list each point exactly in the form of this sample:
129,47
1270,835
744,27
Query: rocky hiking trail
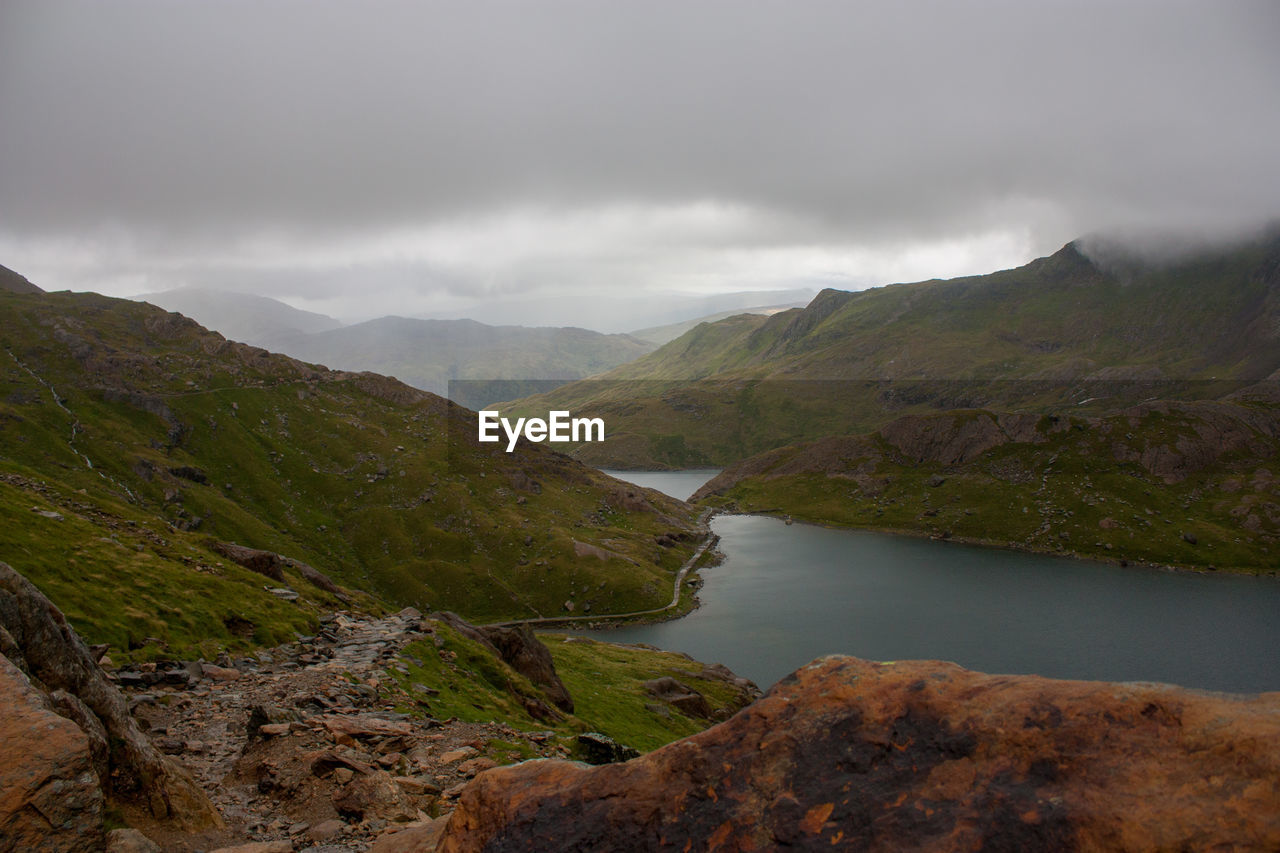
300,747
709,541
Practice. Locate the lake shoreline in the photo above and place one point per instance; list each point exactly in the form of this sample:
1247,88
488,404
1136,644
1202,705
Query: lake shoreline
1002,545
705,555
789,594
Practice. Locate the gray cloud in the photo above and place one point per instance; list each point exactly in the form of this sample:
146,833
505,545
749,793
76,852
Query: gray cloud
185,141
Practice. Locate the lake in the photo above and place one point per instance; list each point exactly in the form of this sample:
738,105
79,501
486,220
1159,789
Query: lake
786,594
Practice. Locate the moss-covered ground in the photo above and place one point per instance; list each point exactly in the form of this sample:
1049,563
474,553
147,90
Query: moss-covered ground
605,680
1082,491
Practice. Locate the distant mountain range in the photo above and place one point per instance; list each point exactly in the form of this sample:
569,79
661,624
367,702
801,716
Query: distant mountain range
429,353
622,311
659,335
426,354
257,320
497,362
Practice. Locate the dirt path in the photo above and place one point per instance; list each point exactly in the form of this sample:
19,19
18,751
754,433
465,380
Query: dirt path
327,703
709,539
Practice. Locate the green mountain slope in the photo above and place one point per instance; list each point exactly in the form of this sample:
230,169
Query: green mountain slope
1061,332
659,335
13,282
1186,484
151,437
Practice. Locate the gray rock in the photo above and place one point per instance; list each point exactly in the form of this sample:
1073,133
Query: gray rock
130,841
598,748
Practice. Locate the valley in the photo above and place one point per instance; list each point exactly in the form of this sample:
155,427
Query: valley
514,427
248,541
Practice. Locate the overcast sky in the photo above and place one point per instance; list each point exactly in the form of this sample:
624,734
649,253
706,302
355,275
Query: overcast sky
364,158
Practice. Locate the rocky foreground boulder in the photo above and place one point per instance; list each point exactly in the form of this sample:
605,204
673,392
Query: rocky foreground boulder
851,754
50,795
68,736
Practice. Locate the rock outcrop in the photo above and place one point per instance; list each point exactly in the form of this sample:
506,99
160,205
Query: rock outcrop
522,651
953,438
266,563
850,754
36,639
272,565
680,696
50,795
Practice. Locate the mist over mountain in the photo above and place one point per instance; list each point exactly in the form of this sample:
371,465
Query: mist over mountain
1062,332
13,282
610,311
257,320
665,334
427,354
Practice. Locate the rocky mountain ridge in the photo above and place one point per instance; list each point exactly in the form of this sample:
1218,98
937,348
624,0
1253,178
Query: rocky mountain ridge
1062,333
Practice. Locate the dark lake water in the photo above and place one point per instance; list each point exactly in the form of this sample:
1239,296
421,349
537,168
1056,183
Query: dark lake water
787,594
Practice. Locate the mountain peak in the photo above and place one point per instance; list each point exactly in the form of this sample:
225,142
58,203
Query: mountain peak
12,282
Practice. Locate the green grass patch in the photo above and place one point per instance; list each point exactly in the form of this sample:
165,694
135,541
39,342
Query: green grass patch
464,680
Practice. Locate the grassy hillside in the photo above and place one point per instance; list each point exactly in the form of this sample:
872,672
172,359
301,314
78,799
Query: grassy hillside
659,335
149,436
605,680
1061,333
1185,484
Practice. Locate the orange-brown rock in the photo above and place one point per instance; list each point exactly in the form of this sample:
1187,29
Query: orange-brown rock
36,637
365,726
50,794
850,754
412,838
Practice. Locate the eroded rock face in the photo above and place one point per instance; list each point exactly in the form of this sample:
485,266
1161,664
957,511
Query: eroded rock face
523,652
50,795
266,563
956,438
35,636
852,754
526,654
